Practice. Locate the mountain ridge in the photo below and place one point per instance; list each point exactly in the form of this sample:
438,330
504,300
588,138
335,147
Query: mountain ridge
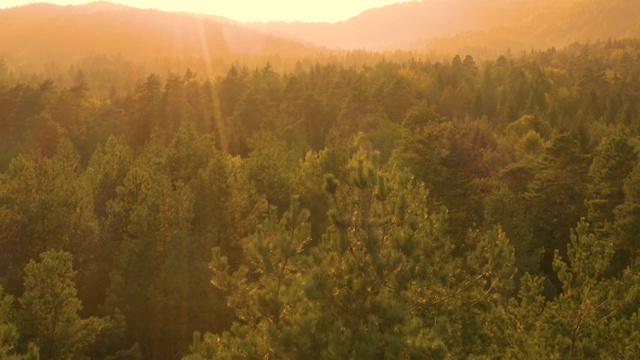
453,25
68,33
49,31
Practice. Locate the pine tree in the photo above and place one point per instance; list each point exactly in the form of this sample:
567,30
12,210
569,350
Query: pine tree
627,215
593,317
556,195
9,336
148,110
49,314
613,161
8,331
266,309
503,208
44,205
270,167
382,282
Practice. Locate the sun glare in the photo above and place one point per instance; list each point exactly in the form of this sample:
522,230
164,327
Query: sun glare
247,10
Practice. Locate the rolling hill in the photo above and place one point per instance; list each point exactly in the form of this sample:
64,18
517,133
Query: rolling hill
44,32
41,33
471,24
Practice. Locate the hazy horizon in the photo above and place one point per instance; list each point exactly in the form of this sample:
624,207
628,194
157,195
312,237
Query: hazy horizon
245,10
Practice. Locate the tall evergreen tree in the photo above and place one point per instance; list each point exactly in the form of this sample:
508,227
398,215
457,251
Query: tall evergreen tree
49,314
613,161
556,195
627,215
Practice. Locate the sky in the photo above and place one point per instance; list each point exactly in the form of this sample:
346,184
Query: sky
246,10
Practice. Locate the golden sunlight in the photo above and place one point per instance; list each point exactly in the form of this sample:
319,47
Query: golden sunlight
247,10
314,179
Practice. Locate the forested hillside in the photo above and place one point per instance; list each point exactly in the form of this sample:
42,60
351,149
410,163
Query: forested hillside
487,27
35,37
406,209
547,24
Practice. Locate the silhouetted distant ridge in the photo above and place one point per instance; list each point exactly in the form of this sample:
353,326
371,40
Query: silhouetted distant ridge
552,24
103,6
451,26
51,32
454,24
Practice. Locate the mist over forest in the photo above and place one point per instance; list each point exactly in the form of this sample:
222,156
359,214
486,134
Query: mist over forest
437,179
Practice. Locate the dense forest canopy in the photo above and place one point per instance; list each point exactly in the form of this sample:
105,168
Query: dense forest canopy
339,205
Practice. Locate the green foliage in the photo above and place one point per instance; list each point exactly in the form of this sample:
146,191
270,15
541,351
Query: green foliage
49,314
614,159
45,205
591,308
266,306
626,216
502,208
557,193
152,220
267,166
9,336
593,317
139,178
531,144
449,157
361,292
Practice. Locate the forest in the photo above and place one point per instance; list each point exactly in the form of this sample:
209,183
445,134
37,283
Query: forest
397,207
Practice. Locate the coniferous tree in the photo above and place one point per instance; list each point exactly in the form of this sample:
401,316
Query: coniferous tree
593,317
504,209
626,218
269,166
151,217
49,314
9,337
45,205
556,195
147,112
361,292
613,161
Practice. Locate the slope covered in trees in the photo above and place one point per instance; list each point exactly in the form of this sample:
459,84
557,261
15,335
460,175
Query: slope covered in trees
42,34
487,26
547,24
428,209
